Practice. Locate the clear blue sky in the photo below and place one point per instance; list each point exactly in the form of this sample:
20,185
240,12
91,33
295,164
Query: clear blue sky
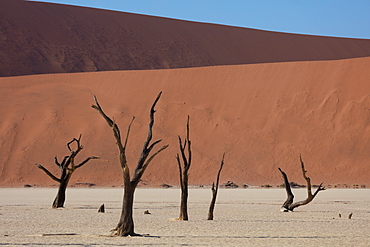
340,18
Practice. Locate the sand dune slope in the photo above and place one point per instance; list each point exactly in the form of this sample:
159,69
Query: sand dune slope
262,115
40,38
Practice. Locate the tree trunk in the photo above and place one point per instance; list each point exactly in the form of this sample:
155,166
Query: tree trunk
125,225
61,195
215,190
184,198
213,202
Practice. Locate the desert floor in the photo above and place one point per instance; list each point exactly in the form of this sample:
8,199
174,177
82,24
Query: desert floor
243,217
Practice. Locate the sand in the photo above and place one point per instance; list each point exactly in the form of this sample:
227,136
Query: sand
40,38
243,217
271,97
262,115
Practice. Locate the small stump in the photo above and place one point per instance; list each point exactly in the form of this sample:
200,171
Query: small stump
101,209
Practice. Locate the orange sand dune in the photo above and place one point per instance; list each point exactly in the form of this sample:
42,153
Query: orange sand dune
262,115
40,38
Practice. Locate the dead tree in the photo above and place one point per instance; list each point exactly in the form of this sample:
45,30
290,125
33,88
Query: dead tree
215,190
183,170
125,226
288,204
67,167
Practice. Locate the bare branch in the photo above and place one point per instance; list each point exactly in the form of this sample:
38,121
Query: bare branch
188,141
57,162
48,173
86,160
108,120
290,196
78,143
128,132
117,136
182,151
66,162
320,188
139,173
151,123
308,180
100,110
152,145
145,151
62,165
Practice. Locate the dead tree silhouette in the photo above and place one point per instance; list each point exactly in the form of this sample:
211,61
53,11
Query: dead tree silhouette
288,204
125,226
67,167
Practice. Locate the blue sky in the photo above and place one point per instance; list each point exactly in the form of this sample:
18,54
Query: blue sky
339,18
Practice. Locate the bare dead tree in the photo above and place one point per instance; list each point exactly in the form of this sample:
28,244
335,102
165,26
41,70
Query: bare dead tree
288,204
125,225
215,190
67,167
183,170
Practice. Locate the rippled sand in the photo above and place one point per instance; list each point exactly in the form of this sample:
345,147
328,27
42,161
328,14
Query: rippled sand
243,217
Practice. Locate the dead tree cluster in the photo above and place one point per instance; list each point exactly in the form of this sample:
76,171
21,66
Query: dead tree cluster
184,165
125,226
67,167
288,204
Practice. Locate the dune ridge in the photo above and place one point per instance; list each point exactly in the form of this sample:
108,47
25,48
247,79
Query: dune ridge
262,115
41,38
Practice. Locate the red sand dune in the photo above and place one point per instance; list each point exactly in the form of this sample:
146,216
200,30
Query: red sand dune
262,115
39,38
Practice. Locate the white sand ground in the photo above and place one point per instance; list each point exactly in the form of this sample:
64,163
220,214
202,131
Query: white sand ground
243,217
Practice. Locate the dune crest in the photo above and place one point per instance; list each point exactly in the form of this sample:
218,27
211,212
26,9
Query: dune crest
41,38
262,115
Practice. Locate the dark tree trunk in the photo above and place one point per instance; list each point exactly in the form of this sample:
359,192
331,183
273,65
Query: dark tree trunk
183,171
213,203
125,226
288,204
61,195
215,190
184,198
